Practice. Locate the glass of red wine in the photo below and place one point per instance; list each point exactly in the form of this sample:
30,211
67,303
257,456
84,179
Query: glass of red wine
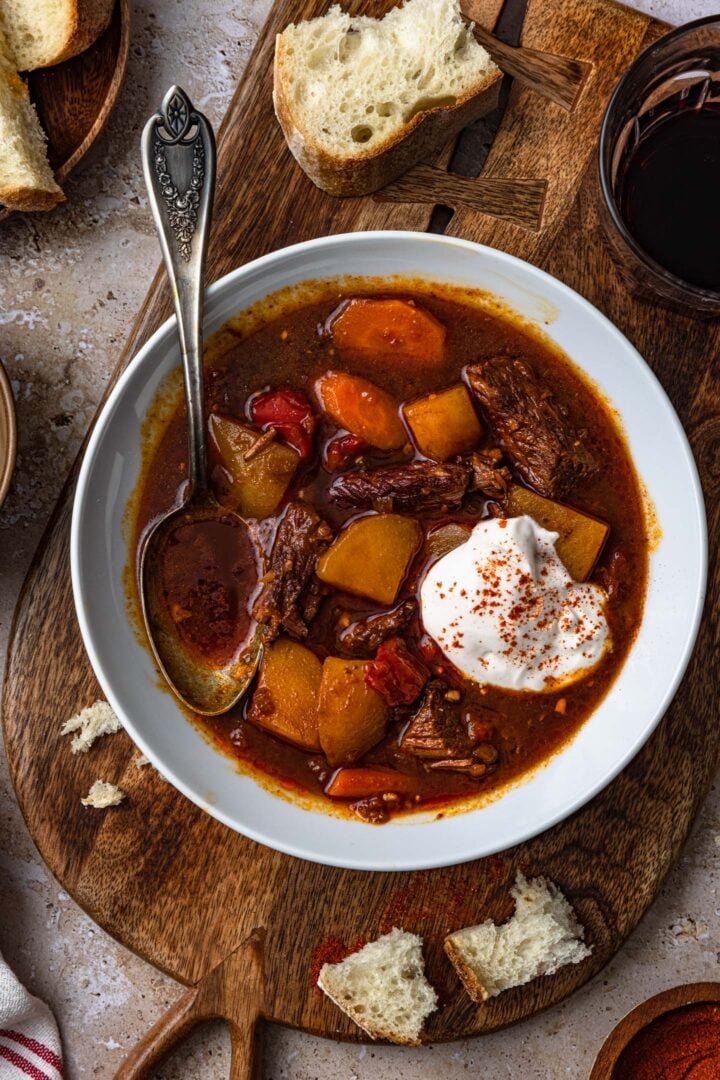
660,170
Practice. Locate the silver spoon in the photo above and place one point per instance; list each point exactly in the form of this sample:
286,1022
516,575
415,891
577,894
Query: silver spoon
178,156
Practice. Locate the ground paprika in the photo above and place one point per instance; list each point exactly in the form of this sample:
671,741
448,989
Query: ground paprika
683,1044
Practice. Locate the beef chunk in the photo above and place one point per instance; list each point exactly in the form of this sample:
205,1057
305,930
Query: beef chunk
612,574
453,739
421,485
311,599
362,637
481,724
464,765
395,674
436,730
489,475
290,597
375,809
534,428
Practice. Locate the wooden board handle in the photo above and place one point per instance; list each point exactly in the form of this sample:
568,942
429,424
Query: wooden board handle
519,201
559,78
233,991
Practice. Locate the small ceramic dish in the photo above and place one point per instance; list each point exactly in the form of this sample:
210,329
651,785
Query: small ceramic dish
636,1021
8,438
610,737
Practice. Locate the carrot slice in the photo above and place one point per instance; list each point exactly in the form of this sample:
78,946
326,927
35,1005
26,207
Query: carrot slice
358,783
363,408
390,327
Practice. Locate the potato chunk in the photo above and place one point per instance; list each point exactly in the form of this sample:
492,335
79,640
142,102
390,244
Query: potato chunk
581,536
390,328
361,407
286,696
371,556
256,486
352,718
444,424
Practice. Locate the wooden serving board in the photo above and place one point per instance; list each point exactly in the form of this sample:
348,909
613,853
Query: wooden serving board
182,890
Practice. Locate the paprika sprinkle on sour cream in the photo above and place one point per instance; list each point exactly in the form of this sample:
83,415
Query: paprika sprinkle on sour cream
683,1044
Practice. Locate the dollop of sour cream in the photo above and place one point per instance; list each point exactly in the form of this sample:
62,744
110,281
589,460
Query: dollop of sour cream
505,611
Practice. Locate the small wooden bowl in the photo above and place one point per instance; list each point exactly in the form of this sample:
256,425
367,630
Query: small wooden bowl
74,99
8,439
642,1015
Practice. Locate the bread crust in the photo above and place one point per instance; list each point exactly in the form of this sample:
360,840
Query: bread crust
373,1032
27,198
421,139
467,976
90,19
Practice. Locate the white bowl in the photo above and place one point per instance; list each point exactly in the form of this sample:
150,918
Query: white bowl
610,737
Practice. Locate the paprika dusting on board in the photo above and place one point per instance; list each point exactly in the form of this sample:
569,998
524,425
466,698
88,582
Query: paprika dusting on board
683,1044
331,951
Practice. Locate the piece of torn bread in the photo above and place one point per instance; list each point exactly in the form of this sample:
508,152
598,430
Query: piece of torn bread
383,988
26,179
361,100
103,794
44,32
542,936
90,724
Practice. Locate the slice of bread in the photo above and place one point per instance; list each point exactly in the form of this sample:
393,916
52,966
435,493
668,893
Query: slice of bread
360,100
383,988
542,936
44,32
26,179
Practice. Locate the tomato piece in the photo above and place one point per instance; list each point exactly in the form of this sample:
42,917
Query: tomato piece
342,450
280,406
289,412
429,650
361,782
395,674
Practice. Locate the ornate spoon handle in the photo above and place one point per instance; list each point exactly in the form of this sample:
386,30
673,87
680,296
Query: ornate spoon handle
178,156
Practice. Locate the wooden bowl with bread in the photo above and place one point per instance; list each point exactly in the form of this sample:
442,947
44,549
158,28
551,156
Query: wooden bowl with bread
61,68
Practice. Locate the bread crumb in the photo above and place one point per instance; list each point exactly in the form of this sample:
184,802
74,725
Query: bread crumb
102,795
92,723
141,761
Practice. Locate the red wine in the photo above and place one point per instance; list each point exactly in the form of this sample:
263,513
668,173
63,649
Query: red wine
669,194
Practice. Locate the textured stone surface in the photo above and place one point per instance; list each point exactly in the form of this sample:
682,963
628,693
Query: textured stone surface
70,283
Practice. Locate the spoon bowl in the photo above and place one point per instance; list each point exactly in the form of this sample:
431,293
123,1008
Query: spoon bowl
209,682
198,565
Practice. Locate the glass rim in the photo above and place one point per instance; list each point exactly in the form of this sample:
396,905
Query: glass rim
661,271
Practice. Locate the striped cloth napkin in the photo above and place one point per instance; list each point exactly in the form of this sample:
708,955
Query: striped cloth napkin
29,1039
